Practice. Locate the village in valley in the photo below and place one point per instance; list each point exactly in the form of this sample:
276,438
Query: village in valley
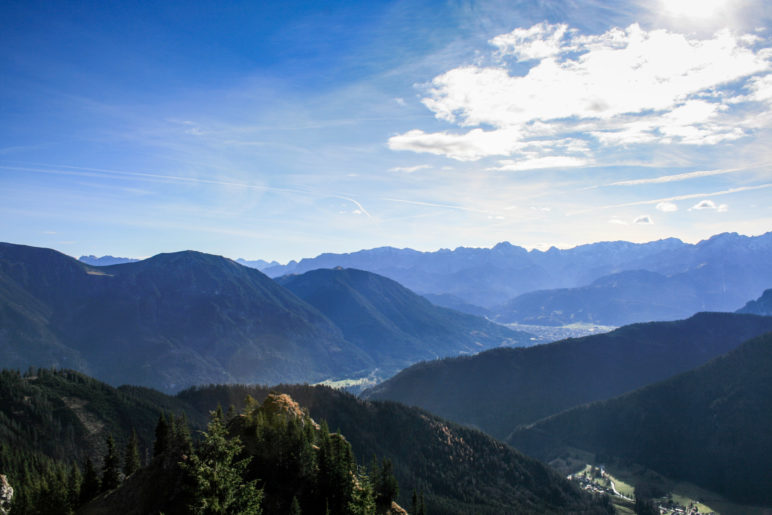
596,480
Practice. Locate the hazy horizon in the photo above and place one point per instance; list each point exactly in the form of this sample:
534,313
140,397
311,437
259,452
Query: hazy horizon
428,250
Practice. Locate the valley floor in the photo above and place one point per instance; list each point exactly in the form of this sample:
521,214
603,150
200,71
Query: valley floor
682,499
550,333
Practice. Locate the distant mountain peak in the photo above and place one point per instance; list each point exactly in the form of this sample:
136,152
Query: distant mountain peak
105,260
761,306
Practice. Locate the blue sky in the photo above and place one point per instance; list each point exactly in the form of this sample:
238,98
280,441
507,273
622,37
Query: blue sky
281,130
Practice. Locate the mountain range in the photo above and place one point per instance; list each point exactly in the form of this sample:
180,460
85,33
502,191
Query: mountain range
579,284
105,260
498,390
709,426
188,318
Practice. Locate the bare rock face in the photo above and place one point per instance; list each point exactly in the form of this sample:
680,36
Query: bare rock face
396,509
6,494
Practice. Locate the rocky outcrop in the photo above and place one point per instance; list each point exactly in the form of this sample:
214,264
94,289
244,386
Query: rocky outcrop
6,494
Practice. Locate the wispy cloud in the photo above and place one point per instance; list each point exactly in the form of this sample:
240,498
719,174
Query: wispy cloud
155,177
409,169
538,163
438,205
666,207
678,177
360,207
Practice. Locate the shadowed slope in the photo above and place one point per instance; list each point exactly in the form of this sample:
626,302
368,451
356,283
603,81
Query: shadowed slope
500,389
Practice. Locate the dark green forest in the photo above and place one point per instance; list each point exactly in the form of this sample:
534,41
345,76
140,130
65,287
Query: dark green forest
57,429
500,389
709,426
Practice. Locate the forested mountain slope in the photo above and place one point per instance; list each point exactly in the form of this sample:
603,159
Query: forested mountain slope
709,426
459,470
169,321
393,324
500,389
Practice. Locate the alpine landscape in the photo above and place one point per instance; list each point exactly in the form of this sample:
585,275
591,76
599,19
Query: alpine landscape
386,258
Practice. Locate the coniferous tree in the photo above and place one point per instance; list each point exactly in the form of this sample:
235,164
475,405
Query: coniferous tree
218,476
181,441
161,444
385,484
131,461
111,475
295,506
90,486
645,507
362,502
74,482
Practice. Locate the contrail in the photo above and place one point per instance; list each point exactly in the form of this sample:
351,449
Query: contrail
155,177
432,204
670,199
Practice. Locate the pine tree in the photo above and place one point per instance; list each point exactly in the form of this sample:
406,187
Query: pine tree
384,484
161,444
111,477
217,475
131,462
74,482
362,502
90,486
181,442
295,506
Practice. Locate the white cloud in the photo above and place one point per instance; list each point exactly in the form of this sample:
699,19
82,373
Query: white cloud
644,220
705,204
538,42
617,221
666,207
622,87
709,204
471,146
409,169
540,163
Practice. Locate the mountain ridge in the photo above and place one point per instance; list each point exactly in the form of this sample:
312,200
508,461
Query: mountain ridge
707,425
499,389
175,317
394,325
489,277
